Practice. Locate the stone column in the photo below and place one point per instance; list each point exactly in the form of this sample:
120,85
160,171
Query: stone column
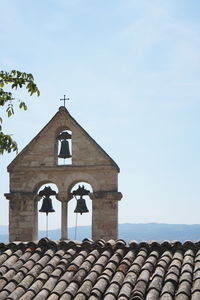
23,222
105,215
64,198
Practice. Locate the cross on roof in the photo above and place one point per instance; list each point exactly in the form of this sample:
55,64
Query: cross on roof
64,100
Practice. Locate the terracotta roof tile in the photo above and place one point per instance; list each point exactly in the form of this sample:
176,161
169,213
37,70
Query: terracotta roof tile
100,270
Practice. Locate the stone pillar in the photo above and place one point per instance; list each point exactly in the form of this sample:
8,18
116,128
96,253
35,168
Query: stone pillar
64,221
64,198
23,220
105,215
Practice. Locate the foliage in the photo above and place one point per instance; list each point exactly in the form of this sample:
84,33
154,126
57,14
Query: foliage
14,80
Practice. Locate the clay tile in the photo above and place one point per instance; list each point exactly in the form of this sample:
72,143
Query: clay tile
22,246
32,245
188,245
13,246
44,242
133,244
2,247
143,252
99,244
197,243
177,245
53,245
137,295
190,252
198,255
74,244
39,251
86,243
167,253
64,244
168,291
126,289
120,243
186,276
144,244
80,296
88,240
166,245
154,292
16,245
154,243
102,241
111,244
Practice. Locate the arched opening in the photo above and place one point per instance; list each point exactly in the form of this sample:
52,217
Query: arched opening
79,225
49,224
64,147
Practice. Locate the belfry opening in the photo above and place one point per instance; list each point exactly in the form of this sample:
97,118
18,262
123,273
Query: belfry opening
80,211
49,210
64,146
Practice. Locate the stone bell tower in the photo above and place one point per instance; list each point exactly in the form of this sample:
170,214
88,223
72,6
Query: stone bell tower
39,163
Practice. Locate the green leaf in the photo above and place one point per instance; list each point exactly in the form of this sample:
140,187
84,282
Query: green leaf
15,79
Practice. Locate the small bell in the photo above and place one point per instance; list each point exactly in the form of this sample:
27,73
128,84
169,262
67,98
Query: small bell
47,206
81,206
64,150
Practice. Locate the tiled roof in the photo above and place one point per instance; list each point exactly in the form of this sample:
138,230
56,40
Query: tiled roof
91,270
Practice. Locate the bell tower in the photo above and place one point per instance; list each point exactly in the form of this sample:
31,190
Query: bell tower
62,153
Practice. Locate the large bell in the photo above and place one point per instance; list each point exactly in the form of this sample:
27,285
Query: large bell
64,150
47,206
81,206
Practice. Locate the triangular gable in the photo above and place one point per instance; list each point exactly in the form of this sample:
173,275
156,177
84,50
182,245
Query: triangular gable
41,150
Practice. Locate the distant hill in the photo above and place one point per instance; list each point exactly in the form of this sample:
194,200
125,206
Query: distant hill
160,232
139,232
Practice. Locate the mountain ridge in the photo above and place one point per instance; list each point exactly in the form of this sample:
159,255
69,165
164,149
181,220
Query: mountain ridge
128,231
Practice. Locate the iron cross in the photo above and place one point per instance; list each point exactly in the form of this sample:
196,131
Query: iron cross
64,100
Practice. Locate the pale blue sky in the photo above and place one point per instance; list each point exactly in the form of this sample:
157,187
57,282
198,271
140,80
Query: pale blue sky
132,71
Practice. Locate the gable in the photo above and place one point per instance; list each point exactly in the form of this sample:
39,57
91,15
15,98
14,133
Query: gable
42,150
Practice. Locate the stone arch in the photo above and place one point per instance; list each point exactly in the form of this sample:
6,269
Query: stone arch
81,177
37,164
41,183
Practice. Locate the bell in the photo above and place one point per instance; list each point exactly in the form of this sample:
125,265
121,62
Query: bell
81,206
64,150
47,206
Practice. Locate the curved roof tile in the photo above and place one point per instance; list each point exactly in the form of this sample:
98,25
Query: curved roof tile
100,270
